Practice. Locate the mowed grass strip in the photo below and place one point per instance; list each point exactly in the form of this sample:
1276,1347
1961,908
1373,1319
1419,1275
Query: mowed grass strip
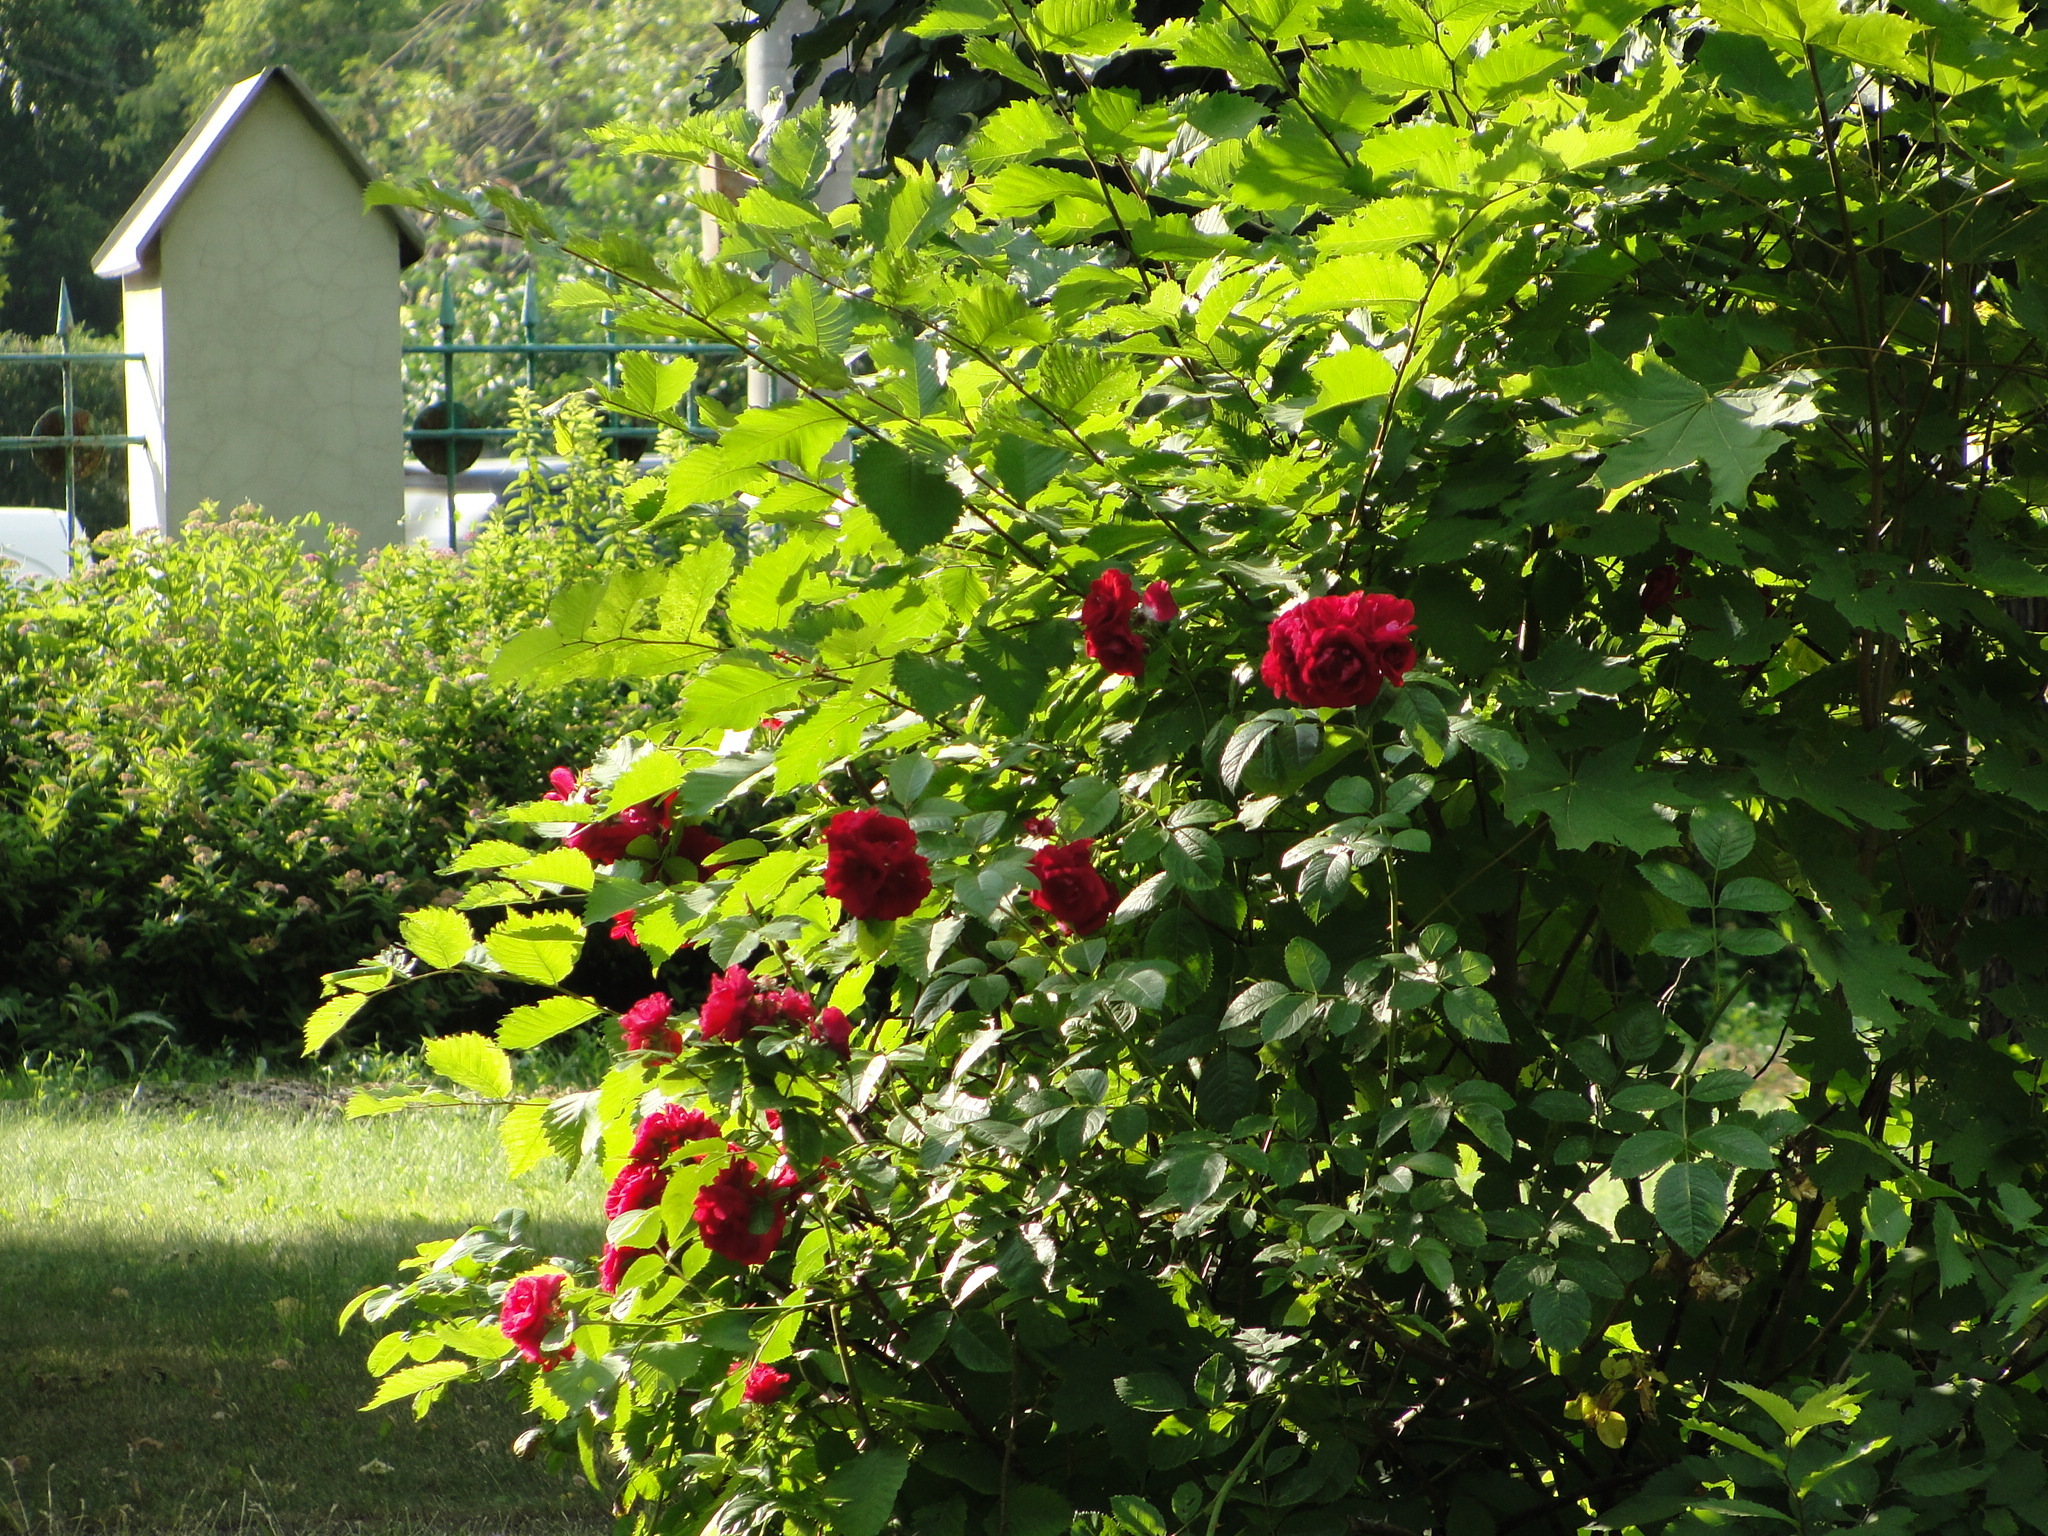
169,1283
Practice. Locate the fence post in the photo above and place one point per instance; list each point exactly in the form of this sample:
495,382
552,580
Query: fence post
64,327
448,406
529,327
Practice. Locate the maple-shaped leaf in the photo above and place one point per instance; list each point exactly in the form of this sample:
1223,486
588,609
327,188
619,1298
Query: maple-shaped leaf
1604,798
1651,420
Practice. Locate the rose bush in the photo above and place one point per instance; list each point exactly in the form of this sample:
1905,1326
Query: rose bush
1588,455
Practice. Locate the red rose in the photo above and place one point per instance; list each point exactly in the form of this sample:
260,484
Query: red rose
564,780
1038,826
1331,651
1071,889
697,845
834,1031
626,927
638,1187
612,1266
669,1129
646,1026
728,1012
764,1385
532,1307
872,866
1106,621
606,841
1158,604
774,1119
740,1215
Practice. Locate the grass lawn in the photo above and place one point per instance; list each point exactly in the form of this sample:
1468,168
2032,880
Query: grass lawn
170,1272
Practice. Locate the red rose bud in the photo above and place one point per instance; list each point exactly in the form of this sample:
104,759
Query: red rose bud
638,1187
872,866
605,842
1106,624
765,1384
613,1264
1070,887
1158,605
531,1307
740,1215
697,845
834,1031
1659,588
774,1119
646,1026
564,780
625,927
668,1130
1328,652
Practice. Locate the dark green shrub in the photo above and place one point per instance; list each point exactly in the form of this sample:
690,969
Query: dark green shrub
226,763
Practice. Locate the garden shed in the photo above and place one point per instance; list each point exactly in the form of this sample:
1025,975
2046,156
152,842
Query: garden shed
261,301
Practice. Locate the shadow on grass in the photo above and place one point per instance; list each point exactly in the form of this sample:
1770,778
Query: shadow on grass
204,1386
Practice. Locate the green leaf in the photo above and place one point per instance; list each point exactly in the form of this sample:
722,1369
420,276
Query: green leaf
1652,420
438,935
912,499
523,1133
493,854
1723,836
1012,666
331,1017
1193,1174
1307,966
415,1379
1151,1392
1644,1153
1604,799
1676,882
537,947
569,868
1088,806
1562,1314
1193,858
472,1062
531,1023
862,1494
1473,1013
1736,1144
1887,1216
1690,1202
1749,894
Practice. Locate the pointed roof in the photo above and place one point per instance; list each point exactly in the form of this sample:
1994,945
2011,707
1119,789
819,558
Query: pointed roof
124,249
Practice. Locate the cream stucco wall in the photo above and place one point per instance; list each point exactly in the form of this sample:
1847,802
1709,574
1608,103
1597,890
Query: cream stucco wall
276,296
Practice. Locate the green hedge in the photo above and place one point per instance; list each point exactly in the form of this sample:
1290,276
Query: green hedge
228,763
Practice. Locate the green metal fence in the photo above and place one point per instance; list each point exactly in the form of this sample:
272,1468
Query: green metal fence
442,425
80,451
441,437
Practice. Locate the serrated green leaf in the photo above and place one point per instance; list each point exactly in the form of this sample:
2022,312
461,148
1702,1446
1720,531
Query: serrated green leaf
1677,882
912,499
472,1062
1690,1202
415,1379
536,947
532,1023
331,1017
